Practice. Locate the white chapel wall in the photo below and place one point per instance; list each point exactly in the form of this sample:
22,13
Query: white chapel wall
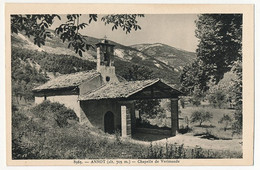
70,101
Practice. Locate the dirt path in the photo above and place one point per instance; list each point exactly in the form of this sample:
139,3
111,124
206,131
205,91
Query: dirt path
193,141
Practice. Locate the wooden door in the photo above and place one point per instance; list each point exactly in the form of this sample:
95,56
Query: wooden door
109,123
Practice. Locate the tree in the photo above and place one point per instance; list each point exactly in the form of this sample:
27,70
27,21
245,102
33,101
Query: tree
37,27
149,108
220,42
201,116
219,51
220,45
218,98
197,96
194,75
237,89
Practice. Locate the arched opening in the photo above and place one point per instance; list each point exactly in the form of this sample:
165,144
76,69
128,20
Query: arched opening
107,78
109,123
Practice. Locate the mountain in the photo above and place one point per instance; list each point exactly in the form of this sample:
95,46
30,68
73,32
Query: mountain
171,56
164,61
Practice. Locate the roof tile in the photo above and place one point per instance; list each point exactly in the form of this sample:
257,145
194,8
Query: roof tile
68,80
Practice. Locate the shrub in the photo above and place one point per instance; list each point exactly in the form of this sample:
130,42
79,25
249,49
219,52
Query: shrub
201,116
218,98
226,120
54,112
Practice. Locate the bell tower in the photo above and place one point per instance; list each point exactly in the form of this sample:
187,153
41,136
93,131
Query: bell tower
105,61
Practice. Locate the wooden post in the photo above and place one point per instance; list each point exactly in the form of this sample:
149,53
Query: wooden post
174,116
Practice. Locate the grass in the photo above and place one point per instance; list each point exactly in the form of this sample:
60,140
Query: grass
40,136
213,127
174,151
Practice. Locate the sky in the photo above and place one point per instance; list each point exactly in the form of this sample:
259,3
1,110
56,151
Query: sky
177,30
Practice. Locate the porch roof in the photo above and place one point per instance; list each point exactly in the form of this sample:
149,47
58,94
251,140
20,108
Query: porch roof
132,90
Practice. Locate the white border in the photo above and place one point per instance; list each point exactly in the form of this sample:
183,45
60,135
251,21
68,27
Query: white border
257,70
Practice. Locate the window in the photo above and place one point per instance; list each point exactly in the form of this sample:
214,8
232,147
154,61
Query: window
107,78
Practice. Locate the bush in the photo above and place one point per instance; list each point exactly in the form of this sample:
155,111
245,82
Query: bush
54,112
226,120
201,116
218,98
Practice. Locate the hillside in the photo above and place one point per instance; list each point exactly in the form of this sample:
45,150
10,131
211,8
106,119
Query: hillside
54,58
171,56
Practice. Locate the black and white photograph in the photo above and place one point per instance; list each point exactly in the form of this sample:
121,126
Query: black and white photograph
127,87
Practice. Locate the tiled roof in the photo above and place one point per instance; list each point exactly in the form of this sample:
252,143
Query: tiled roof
120,90
68,80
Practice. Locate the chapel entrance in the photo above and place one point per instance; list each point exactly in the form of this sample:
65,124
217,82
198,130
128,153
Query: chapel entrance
109,123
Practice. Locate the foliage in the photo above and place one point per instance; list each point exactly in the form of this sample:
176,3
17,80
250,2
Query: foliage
34,138
197,96
226,120
36,26
54,113
27,69
63,64
149,108
135,72
222,94
201,116
220,42
219,47
219,51
33,25
143,70
175,151
218,98
126,22
194,76
237,89
24,77
37,135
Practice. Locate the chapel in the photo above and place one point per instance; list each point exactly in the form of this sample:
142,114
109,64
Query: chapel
104,100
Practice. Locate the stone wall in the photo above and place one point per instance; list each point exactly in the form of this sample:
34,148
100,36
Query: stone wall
96,110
